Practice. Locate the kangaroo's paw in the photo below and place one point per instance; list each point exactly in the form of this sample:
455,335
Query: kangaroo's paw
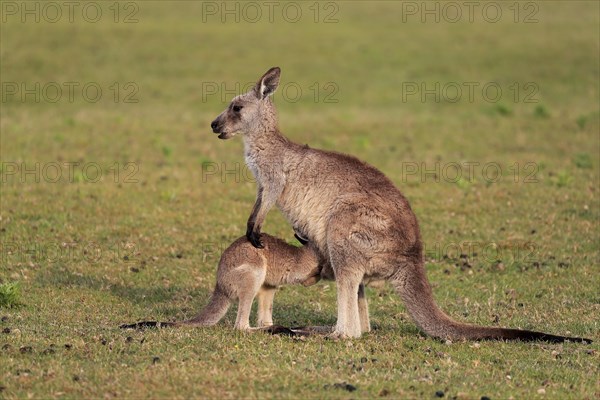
254,238
303,241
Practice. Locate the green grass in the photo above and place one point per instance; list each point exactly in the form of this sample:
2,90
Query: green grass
141,241
9,294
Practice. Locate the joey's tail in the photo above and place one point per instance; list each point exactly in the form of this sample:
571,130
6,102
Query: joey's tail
416,293
213,312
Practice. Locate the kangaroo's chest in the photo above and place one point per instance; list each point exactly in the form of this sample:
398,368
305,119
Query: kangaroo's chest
252,163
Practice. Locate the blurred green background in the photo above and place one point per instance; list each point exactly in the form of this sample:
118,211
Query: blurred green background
116,198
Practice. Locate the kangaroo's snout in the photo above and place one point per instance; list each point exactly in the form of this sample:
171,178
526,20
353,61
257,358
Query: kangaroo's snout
218,127
215,126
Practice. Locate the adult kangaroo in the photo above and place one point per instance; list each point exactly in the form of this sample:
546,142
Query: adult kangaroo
349,210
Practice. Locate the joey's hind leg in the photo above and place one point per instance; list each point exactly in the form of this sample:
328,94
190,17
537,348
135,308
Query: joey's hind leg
249,281
363,309
265,306
242,321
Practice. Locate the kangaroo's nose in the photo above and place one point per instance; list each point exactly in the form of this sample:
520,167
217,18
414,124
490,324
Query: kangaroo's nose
214,124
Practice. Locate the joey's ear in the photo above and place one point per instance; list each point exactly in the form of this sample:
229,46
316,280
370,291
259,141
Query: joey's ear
267,84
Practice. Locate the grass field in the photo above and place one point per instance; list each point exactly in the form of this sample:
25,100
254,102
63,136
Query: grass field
115,206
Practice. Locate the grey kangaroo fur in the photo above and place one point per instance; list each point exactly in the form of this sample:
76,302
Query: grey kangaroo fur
350,211
245,272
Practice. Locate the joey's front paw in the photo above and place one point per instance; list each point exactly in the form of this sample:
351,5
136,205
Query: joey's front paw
254,238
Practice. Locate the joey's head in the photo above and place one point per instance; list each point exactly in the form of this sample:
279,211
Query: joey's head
252,112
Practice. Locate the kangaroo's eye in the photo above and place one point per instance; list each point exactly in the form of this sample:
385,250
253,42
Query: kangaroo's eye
237,108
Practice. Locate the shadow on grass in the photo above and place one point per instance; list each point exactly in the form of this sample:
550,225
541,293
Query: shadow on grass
62,278
285,311
290,314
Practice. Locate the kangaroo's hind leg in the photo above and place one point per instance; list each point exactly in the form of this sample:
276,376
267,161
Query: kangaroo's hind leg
265,306
354,244
363,315
363,309
250,279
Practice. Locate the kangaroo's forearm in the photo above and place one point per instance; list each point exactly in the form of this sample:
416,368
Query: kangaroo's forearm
252,228
255,209
265,200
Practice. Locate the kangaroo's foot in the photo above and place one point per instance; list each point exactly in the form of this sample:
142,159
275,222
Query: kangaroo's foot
322,330
265,323
336,335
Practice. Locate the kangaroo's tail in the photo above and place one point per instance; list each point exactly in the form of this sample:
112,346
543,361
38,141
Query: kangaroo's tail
213,312
413,287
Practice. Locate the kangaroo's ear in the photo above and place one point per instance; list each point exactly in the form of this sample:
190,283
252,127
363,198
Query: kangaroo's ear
267,84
